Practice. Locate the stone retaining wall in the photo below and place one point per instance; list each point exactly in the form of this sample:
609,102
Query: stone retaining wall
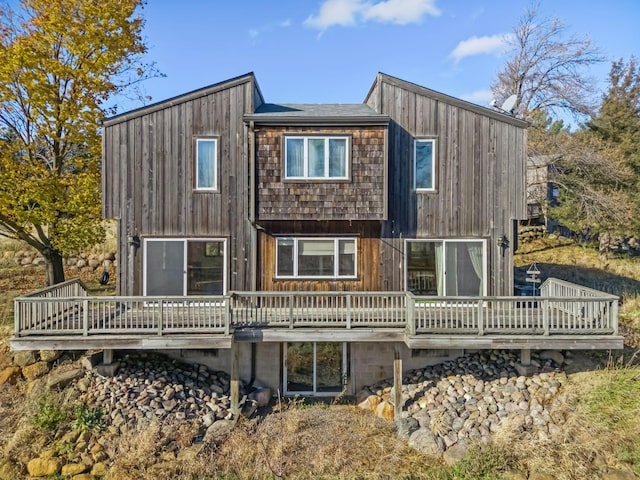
85,262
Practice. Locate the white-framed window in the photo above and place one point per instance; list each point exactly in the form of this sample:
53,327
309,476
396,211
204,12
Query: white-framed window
316,157
316,257
206,153
453,267
424,171
184,266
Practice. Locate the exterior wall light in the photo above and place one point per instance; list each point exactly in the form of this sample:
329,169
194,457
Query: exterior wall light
134,241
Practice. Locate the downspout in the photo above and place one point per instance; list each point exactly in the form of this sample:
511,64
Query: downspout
254,234
252,207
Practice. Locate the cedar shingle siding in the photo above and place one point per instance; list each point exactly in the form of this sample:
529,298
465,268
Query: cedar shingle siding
359,198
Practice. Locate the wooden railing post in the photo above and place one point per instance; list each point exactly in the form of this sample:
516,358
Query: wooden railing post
227,314
160,317
545,316
348,311
410,307
480,317
291,297
614,315
85,317
17,310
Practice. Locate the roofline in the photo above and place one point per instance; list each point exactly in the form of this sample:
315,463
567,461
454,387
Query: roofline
419,89
323,121
182,98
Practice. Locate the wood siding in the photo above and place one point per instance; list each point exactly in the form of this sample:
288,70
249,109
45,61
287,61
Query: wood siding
362,197
148,177
368,266
479,182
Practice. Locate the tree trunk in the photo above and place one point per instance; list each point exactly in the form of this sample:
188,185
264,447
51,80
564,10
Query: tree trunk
54,266
604,240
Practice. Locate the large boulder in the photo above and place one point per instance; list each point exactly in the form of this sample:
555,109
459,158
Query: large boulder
64,379
71,469
456,453
385,410
425,442
9,375
406,426
218,430
22,358
44,467
38,369
50,355
262,396
370,402
554,355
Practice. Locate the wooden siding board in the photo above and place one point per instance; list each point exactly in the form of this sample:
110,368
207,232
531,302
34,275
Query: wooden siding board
368,256
478,185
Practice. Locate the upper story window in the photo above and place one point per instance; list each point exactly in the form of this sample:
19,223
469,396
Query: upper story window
315,257
206,164
424,164
316,157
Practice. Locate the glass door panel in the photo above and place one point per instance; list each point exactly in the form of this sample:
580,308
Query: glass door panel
421,268
329,367
299,367
165,267
205,267
445,267
464,268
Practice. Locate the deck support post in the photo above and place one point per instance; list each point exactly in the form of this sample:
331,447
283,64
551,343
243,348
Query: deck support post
525,357
235,381
107,356
397,387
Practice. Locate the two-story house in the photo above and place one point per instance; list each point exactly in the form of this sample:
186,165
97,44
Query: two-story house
308,245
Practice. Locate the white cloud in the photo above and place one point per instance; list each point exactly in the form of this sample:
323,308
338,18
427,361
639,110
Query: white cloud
480,45
400,11
255,32
335,12
479,96
350,12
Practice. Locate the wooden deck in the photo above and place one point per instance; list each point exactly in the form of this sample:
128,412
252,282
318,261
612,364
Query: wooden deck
565,314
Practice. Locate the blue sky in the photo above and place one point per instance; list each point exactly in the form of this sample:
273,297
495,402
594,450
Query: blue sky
329,51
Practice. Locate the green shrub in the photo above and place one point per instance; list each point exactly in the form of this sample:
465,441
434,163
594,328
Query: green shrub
49,414
87,418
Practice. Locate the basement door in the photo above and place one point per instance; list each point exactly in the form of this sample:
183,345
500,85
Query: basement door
178,267
314,368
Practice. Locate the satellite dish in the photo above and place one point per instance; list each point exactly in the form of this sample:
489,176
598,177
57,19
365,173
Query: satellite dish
493,103
508,104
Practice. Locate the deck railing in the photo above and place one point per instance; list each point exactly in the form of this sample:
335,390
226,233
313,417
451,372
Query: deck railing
563,308
121,315
321,309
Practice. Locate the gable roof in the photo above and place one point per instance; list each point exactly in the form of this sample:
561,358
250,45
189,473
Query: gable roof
420,90
186,97
316,114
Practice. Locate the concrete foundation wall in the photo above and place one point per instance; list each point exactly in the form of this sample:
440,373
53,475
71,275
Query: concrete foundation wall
268,370
369,362
373,362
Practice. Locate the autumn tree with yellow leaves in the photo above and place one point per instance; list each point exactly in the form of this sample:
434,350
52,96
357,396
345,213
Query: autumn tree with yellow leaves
60,63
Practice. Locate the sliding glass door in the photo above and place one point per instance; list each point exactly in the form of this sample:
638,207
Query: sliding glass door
314,368
184,267
445,267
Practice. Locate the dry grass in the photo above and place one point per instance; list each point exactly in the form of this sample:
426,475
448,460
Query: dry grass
337,442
